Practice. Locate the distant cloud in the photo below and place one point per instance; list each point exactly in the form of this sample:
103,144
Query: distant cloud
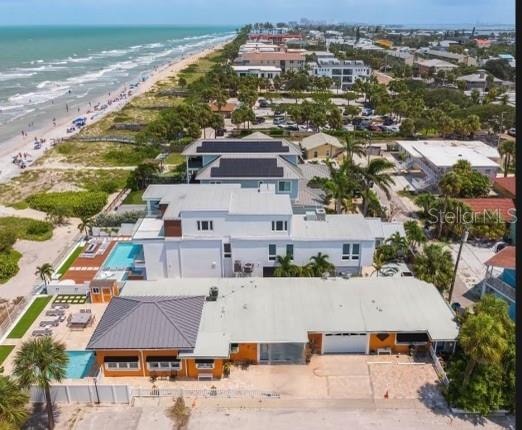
244,11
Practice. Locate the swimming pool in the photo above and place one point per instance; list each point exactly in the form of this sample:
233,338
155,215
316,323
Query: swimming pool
123,255
80,363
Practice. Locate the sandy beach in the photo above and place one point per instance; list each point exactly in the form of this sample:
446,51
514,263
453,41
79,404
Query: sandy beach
25,144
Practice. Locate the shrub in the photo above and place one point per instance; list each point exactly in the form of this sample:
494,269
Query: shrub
38,229
69,203
115,220
9,264
7,240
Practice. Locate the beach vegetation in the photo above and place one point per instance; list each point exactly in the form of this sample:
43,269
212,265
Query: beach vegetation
69,203
13,402
9,264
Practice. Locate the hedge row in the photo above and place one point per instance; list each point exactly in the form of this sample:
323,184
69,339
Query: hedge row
69,203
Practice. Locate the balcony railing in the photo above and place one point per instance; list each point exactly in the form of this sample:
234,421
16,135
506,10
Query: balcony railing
501,287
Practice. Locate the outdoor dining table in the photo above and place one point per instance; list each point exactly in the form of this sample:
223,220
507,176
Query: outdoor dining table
80,318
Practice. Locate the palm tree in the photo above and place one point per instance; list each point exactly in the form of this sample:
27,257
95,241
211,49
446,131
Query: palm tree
374,174
353,147
434,265
484,341
507,150
426,201
414,235
40,361
398,243
449,186
286,268
319,264
378,261
13,412
85,226
45,271
340,186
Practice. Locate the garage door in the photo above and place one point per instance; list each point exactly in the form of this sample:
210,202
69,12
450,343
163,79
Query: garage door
336,343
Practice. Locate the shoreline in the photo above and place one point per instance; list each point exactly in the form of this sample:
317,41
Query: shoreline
24,144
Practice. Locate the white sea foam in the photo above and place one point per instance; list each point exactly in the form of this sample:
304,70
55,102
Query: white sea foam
11,76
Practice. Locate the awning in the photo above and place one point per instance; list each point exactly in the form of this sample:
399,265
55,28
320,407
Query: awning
118,359
412,337
162,358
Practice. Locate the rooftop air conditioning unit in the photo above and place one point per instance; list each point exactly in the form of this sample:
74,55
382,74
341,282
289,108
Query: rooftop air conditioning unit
310,216
212,294
320,214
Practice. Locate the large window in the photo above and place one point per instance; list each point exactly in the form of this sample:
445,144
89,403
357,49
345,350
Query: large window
204,364
284,186
205,225
272,252
163,363
351,251
121,363
279,225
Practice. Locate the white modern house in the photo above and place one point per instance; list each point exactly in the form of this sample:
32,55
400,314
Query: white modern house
345,73
268,72
436,157
223,230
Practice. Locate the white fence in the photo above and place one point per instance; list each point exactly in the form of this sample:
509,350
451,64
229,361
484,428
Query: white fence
123,394
70,393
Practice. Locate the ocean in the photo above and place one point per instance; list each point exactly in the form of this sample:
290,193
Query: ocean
43,69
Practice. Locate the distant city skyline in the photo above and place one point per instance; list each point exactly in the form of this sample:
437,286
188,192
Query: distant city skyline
238,12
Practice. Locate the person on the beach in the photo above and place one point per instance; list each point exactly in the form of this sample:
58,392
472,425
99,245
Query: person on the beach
66,107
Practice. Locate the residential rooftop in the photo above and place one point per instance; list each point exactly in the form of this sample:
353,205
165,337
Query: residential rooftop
506,258
272,310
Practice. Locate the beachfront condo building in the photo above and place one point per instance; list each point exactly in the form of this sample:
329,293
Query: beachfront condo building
344,73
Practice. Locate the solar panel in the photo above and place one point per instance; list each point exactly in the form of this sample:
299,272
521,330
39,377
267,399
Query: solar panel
242,146
247,168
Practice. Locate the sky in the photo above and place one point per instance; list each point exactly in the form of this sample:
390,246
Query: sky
236,12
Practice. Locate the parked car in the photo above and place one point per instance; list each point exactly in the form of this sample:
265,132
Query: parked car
263,103
279,120
391,128
259,120
375,128
512,132
292,127
388,121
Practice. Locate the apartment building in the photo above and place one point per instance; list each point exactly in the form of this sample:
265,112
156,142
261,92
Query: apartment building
284,60
223,230
436,157
344,73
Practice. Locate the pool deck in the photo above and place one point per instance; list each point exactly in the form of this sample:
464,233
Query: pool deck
84,269
74,340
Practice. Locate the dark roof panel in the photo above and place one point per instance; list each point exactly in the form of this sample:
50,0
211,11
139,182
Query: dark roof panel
242,146
247,168
148,323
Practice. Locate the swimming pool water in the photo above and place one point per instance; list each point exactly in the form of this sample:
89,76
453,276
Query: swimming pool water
122,256
80,363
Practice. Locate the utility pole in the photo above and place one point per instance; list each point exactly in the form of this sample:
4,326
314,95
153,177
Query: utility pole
462,241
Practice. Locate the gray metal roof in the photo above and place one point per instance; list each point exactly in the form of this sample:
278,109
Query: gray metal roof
261,145
149,322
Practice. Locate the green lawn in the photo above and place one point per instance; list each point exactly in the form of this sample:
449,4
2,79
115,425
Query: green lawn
67,263
29,317
5,350
174,158
134,198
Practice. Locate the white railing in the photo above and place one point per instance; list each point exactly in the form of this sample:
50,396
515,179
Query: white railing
441,373
202,392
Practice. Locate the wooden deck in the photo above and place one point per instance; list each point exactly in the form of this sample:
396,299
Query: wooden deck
84,269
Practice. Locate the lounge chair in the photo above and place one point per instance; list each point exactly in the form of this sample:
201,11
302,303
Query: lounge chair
55,313
45,332
51,323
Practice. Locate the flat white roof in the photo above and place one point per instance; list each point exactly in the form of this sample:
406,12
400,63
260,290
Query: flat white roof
266,310
445,153
334,227
149,228
383,230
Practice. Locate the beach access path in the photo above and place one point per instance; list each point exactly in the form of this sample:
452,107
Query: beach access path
19,144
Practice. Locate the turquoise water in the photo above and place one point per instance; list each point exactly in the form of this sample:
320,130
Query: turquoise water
39,65
80,363
122,256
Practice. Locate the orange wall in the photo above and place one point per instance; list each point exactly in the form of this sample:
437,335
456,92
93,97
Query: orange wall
247,351
104,298
188,366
